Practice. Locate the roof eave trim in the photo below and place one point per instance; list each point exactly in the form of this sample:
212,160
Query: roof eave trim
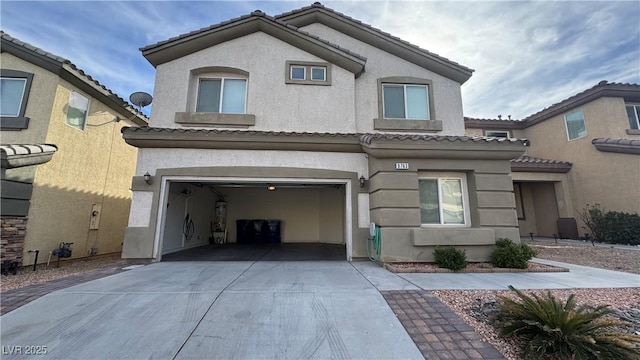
372,37
181,47
546,168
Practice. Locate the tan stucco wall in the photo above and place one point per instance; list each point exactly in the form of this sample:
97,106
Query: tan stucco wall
308,215
447,96
596,177
93,166
277,106
491,207
39,104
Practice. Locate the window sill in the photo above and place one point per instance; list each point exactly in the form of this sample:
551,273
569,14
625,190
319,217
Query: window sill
407,125
14,123
307,82
215,119
633,131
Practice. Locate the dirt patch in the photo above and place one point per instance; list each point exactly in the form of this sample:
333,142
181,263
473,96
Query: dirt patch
479,267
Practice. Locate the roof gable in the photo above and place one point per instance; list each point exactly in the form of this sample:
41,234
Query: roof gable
317,13
71,73
629,92
257,21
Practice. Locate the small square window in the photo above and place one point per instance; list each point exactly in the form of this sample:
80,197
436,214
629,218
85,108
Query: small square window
77,110
298,73
318,74
307,73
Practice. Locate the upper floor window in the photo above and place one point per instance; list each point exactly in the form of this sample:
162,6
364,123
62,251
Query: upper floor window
222,95
77,110
575,125
405,101
443,200
633,113
498,134
14,93
308,73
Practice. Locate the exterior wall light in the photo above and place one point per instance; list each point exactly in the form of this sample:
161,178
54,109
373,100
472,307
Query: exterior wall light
361,180
147,178
271,187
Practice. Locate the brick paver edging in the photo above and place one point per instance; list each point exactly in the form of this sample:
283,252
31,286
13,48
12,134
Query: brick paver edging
437,331
13,299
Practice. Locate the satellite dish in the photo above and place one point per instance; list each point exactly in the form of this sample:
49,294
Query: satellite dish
140,99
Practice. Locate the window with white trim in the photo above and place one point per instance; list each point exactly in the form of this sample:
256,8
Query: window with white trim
574,122
405,101
77,110
298,73
222,95
498,134
633,113
443,200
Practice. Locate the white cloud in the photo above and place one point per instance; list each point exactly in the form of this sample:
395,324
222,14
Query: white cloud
527,55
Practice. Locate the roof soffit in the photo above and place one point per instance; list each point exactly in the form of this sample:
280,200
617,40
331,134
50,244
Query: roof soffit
189,43
378,39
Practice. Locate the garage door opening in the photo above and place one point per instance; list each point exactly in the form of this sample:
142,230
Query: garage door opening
275,219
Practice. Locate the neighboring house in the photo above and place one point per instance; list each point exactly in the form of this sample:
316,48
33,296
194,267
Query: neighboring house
584,150
345,124
81,195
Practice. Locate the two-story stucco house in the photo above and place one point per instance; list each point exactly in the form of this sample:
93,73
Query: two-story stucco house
584,150
79,193
322,122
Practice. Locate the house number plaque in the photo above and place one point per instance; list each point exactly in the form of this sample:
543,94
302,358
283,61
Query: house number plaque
402,166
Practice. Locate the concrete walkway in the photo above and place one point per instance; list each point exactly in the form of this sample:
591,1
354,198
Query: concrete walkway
268,310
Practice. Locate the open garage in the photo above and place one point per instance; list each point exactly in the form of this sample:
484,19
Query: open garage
207,219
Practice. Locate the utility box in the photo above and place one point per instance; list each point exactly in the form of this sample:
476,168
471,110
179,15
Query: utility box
96,211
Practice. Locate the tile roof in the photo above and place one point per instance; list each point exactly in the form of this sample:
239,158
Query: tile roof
535,164
603,88
624,146
26,149
254,14
369,138
20,155
318,5
365,138
133,129
62,62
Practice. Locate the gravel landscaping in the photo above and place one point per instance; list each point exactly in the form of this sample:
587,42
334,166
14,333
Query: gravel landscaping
26,275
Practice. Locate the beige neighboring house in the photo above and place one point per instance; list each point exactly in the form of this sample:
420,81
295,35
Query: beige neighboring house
322,122
79,193
584,150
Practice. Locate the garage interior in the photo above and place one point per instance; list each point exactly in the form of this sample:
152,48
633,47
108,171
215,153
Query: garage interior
217,221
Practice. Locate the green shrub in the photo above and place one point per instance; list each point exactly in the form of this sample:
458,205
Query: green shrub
450,258
565,331
511,255
611,226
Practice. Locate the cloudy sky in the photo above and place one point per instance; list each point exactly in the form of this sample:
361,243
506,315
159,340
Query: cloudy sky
526,55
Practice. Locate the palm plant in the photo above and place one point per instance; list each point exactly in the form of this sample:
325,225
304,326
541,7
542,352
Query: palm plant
566,331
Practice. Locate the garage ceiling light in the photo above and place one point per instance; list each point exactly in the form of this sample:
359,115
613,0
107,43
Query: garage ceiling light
271,187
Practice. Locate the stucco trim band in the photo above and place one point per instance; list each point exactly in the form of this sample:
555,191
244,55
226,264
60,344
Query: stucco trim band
453,237
215,119
407,125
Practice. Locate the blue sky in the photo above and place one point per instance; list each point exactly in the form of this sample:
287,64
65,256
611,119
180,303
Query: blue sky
526,55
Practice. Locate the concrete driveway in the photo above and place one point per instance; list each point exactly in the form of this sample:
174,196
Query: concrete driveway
213,310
